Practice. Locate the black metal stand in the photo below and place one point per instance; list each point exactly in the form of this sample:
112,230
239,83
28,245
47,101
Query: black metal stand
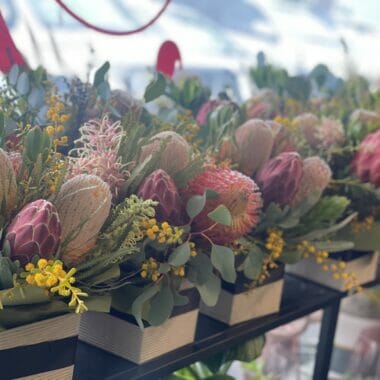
300,298
326,341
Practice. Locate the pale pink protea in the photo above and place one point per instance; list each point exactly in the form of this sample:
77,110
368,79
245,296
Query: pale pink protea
330,132
97,153
16,161
206,108
36,230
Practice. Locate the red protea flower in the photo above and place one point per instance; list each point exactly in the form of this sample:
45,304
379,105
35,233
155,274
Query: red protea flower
237,192
36,230
160,187
366,164
280,178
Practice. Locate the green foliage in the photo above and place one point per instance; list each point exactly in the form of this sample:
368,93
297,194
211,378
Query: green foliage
180,255
210,290
195,205
221,215
155,88
223,259
189,93
119,238
199,269
323,215
253,262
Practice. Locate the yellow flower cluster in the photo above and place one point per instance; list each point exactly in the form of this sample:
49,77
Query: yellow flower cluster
149,269
188,128
49,274
54,175
179,271
193,251
275,243
337,268
285,122
163,233
361,226
58,118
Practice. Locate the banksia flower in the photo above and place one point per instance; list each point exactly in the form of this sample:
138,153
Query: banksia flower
330,132
280,178
8,186
237,192
160,187
255,142
97,153
36,230
366,164
364,116
316,176
83,205
307,123
175,155
282,138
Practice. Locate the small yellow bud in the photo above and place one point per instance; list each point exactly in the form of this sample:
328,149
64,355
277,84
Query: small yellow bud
42,263
29,267
143,274
30,279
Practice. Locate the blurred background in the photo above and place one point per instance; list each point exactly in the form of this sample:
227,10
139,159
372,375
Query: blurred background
218,39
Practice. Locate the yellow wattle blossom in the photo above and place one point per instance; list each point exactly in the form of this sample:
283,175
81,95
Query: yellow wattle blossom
163,233
275,243
308,249
361,226
58,118
149,269
51,275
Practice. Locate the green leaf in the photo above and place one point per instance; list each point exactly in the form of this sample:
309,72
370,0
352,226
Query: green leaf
104,91
247,351
219,376
223,259
200,269
253,263
210,290
23,84
334,246
195,205
363,241
138,304
161,306
155,88
180,255
100,74
13,75
24,295
221,215
179,299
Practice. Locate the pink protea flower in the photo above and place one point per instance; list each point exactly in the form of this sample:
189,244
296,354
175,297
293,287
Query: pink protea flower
160,187
16,160
280,178
36,230
97,153
366,164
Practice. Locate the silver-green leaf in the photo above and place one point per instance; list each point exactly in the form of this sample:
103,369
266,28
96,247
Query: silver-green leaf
223,259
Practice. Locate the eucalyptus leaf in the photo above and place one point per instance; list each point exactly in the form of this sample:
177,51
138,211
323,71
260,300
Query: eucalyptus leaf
155,88
199,269
253,263
195,205
221,215
180,255
13,75
139,302
223,259
210,290
334,246
23,84
100,74
161,306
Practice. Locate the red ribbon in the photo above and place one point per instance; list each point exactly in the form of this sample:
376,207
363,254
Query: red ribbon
113,32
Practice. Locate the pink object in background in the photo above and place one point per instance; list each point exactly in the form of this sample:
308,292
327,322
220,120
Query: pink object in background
9,54
167,57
